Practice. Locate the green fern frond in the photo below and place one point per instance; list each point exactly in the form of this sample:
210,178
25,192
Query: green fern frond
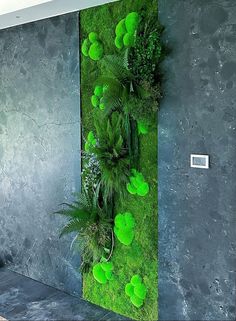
74,225
118,69
76,213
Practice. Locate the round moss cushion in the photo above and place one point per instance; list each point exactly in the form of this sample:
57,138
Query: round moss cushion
93,36
119,42
131,22
98,91
143,189
136,279
129,289
131,189
99,274
140,291
137,302
128,40
96,51
121,28
95,101
85,47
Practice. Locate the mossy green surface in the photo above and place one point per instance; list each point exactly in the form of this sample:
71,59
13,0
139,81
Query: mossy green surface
141,256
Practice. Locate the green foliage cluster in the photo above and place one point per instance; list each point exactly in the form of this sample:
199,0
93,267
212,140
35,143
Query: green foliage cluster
91,225
126,29
97,98
137,184
125,131
102,272
147,52
136,291
144,103
112,155
91,142
124,228
137,100
92,47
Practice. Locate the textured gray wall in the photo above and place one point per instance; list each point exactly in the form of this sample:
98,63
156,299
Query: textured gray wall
197,208
39,147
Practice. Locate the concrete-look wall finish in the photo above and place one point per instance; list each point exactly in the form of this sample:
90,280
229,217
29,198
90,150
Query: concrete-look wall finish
40,155
197,208
39,147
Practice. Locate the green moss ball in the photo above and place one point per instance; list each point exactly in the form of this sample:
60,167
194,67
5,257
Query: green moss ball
137,302
95,101
98,91
131,22
119,42
99,274
96,51
128,40
85,47
93,36
121,28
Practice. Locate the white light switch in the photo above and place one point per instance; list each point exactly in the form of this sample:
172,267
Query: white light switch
199,161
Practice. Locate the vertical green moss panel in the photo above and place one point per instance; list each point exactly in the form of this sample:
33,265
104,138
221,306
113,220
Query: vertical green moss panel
141,256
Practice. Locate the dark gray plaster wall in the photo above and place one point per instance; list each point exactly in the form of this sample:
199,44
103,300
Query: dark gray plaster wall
197,208
39,147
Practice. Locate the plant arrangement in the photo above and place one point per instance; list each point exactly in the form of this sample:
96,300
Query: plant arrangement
119,157
91,225
139,100
124,228
92,47
112,155
136,291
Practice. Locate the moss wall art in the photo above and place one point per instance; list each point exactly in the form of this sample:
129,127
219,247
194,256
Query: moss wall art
115,215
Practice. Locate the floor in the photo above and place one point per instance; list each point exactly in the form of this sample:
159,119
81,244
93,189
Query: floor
22,298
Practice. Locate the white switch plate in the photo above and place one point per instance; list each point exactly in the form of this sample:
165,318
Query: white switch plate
199,161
